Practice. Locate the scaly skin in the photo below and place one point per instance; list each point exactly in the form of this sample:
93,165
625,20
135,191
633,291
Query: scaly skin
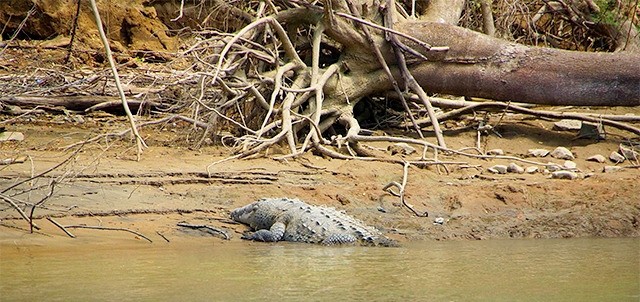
276,219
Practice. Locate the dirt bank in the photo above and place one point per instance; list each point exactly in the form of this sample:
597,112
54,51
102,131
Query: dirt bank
103,186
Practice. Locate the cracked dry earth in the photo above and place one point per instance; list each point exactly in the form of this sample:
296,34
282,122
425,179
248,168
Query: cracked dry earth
105,186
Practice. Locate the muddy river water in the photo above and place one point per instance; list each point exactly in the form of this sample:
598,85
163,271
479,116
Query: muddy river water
493,270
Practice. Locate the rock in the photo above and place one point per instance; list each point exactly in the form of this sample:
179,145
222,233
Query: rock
611,169
495,152
13,110
592,131
538,152
569,165
562,153
531,169
78,119
13,160
401,148
514,168
438,221
564,175
596,158
629,153
616,157
567,125
552,167
11,136
498,169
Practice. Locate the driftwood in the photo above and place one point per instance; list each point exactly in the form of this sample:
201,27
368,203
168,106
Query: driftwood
209,229
85,103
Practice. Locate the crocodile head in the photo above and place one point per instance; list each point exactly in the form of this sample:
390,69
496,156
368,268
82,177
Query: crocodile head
244,214
255,215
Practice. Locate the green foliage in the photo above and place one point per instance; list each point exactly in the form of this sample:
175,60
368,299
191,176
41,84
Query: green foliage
607,14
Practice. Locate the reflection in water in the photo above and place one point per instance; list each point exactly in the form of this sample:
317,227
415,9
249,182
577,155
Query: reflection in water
507,270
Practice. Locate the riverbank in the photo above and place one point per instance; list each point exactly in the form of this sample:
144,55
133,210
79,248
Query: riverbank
103,186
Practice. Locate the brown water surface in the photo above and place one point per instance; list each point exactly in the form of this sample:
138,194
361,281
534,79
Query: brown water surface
493,270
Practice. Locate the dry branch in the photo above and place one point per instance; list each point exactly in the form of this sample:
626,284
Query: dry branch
61,227
107,229
103,37
10,201
215,230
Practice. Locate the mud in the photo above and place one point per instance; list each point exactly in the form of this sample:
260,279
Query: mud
172,183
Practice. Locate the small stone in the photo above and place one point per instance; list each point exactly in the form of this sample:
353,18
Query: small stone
564,175
562,153
610,169
569,165
531,169
11,136
514,168
567,125
78,119
401,148
616,157
13,110
552,167
629,153
438,221
495,152
498,169
592,131
596,158
381,209
538,152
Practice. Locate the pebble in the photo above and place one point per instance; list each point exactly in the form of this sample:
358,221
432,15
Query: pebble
592,131
495,152
78,119
616,157
569,165
629,153
562,153
514,168
597,158
439,221
610,169
564,175
538,152
11,136
531,169
498,169
567,125
553,167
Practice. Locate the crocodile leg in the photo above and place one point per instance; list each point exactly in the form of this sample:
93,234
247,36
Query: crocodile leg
275,233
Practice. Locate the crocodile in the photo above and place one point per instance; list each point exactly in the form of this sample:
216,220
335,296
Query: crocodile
290,219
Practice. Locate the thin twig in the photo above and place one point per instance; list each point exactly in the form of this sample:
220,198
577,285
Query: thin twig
74,28
61,227
402,188
45,171
107,229
20,211
37,204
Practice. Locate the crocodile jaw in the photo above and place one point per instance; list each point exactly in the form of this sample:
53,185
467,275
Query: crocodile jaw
244,214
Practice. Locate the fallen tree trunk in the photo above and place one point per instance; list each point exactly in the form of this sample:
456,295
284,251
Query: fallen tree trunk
482,66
